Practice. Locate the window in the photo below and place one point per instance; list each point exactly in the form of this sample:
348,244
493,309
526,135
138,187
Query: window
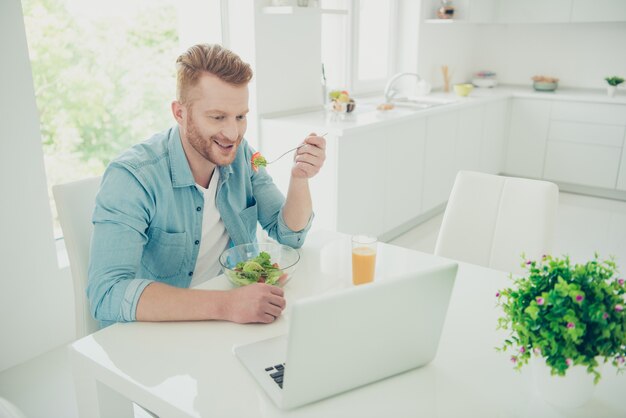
358,47
335,40
373,45
104,74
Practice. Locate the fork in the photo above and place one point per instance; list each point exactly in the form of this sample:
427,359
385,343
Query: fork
291,150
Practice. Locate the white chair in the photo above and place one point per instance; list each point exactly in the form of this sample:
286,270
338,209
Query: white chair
75,202
491,220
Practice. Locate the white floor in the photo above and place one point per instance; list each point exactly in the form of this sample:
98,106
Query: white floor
43,388
585,225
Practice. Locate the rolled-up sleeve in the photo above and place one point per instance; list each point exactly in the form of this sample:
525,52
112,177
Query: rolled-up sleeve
120,220
287,236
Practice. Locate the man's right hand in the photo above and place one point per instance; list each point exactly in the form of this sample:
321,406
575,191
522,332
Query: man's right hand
258,302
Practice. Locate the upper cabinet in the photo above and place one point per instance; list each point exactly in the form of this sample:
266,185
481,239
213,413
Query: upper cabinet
482,11
598,11
533,11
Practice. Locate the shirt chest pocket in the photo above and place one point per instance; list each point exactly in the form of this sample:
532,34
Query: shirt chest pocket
249,217
164,253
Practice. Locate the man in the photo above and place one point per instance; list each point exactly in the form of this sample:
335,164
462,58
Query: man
169,206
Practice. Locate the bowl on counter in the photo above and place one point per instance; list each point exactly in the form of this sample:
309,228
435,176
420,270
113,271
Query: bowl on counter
545,85
342,107
485,82
270,263
463,90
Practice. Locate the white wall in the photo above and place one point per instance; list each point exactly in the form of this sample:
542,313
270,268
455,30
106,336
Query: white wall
407,36
425,47
36,308
444,44
579,54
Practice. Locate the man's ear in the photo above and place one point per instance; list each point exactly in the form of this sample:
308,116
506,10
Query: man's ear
178,111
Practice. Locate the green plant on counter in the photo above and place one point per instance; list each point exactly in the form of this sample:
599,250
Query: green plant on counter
614,81
567,314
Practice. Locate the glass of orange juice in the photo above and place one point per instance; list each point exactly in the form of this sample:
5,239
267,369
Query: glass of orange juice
363,258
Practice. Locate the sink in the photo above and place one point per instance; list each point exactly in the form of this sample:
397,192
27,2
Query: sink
414,105
424,102
435,101
401,105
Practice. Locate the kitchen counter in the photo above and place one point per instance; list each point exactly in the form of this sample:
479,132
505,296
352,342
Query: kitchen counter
387,171
565,93
366,116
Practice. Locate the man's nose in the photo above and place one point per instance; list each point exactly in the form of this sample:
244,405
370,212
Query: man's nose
230,130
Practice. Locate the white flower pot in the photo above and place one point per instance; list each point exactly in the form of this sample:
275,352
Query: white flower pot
610,90
569,391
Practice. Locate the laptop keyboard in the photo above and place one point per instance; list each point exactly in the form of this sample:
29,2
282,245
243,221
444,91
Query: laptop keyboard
276,373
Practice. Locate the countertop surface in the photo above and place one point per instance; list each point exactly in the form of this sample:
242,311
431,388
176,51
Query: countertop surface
366,116
187,369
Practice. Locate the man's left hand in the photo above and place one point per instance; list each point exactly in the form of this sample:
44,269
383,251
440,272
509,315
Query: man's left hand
310,157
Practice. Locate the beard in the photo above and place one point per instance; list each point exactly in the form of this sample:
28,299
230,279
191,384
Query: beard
207,147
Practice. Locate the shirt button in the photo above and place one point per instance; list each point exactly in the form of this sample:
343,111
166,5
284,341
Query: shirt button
191,273
199,208
197,242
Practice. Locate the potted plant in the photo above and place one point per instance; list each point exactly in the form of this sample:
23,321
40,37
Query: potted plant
613,83
566,314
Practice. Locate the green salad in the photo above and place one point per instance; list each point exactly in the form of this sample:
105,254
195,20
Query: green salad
258,269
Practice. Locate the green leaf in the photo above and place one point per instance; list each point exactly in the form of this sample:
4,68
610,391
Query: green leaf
598,330
532,310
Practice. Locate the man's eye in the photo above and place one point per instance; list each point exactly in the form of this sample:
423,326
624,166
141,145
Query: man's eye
217,117
241,117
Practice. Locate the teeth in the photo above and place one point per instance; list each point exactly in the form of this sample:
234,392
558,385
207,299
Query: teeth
222,145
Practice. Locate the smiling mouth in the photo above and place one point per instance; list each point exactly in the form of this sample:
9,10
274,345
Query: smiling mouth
225,146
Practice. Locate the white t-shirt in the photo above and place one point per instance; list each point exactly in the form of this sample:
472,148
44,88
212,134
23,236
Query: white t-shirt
214,238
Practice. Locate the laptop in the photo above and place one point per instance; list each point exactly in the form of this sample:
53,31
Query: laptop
343,340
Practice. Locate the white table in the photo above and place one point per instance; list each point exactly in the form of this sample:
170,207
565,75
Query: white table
187,369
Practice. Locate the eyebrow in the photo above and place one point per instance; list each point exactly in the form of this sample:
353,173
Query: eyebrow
220,111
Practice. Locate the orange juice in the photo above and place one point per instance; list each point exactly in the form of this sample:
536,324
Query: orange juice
363,264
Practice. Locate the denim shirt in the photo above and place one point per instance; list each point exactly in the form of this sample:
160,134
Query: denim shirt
148,221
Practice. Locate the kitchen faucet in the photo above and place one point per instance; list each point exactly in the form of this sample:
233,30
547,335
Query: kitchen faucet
389,92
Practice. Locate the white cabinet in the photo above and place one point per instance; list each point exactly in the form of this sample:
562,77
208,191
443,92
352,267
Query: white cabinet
494,132
584,164
371,181
361,182
585,143
379,177
528,132
590,112
598,11
534,11
569,142
404,174
440,161
469,138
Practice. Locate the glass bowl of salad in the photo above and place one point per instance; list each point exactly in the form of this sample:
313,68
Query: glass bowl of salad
269,263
